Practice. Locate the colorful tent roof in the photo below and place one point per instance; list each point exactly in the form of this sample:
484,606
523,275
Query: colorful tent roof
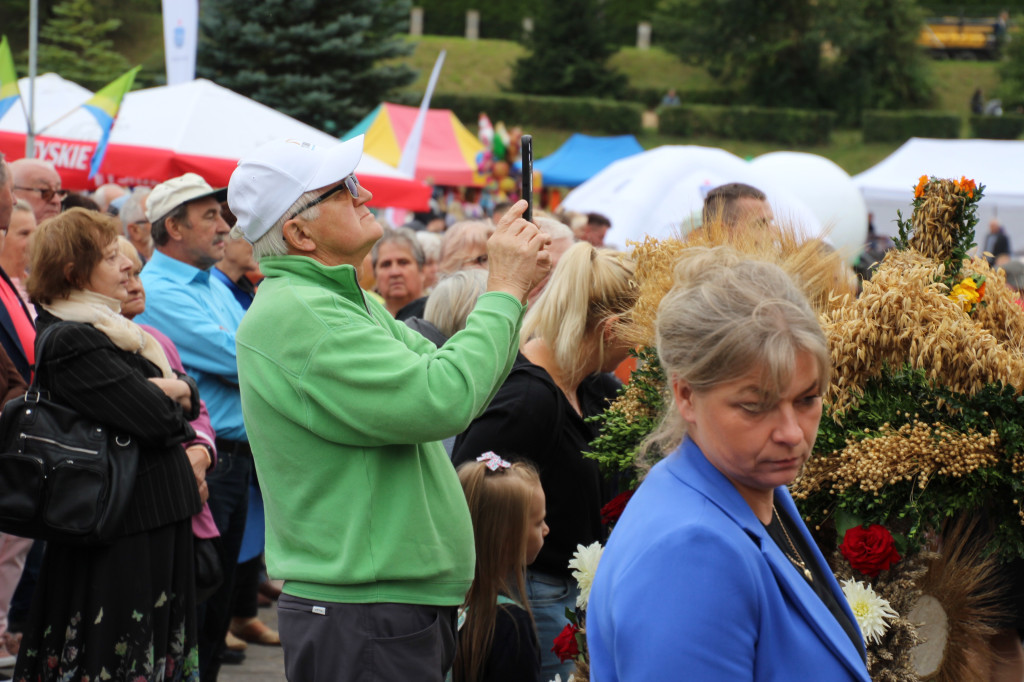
583,156
448,152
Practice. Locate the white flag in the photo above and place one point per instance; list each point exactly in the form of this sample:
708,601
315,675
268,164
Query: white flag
181,38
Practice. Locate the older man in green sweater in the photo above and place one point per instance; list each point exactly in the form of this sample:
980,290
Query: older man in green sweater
344,406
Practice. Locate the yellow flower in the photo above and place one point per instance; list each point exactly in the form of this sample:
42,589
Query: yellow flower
966,294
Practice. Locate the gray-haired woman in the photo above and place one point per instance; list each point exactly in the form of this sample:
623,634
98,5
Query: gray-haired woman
710,569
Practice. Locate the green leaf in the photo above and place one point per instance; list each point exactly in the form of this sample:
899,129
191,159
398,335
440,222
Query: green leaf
900,541
844,522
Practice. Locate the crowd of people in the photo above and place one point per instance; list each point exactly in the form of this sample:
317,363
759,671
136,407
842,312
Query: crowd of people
393,422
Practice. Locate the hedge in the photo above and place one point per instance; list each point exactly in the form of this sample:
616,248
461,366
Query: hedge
789,126
651,97
899,126
1005,127
567,113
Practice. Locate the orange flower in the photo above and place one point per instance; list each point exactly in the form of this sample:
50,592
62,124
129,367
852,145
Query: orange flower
919,190
981,291
966,186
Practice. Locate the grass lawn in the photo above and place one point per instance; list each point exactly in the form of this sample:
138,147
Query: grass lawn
955,81
477,66
485,66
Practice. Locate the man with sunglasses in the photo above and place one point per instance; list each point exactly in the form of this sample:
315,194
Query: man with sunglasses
38,183
345,407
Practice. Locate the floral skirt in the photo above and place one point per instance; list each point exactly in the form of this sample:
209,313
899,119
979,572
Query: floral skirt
125,611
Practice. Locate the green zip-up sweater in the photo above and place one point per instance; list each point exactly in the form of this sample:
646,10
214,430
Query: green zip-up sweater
344,407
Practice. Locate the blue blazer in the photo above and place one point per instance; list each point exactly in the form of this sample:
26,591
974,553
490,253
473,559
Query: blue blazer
691,587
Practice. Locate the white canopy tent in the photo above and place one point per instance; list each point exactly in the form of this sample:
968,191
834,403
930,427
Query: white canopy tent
661,191
997,164
164,131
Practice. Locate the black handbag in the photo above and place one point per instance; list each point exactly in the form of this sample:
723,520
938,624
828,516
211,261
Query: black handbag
63,477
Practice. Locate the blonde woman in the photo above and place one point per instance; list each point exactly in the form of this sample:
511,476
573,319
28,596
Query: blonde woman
558,380
710,573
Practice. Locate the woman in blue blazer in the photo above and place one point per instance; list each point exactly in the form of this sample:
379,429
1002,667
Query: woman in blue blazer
710,575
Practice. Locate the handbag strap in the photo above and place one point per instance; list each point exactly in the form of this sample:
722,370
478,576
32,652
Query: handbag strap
34,390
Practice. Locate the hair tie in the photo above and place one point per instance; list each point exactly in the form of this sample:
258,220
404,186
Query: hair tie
493,461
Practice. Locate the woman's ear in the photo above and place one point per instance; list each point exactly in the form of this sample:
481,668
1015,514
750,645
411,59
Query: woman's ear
683,394
68,267
608,328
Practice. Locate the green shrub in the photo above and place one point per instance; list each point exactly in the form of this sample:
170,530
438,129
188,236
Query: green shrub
899,126
566,113
1006,127
788,126
651,97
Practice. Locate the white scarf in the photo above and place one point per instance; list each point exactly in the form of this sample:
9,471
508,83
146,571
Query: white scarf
104,313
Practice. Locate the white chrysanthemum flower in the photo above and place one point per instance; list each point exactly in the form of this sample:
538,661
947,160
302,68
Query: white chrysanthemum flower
584,561
872,612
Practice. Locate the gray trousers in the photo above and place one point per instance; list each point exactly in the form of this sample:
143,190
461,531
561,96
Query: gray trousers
330,642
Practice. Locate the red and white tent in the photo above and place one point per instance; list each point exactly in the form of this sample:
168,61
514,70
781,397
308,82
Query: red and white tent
162,132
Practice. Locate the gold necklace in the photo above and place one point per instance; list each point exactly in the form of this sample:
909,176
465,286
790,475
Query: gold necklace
795,558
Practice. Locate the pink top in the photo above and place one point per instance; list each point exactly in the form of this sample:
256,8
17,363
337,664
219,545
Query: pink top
202,523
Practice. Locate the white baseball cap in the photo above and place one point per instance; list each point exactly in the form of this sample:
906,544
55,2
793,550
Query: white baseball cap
271,179
169,195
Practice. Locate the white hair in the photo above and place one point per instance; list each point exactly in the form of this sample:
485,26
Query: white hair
555,229
431,244
131,209
272,242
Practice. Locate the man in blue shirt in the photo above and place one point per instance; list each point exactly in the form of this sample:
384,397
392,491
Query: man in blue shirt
200,314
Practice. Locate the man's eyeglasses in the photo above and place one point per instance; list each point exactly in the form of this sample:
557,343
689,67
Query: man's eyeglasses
351,183
46,193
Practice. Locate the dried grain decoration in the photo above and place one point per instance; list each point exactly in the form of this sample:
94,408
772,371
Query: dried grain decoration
905,315
817,268
915,451
1001,312
964,578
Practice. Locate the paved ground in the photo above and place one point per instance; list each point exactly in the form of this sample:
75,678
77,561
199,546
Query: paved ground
262,663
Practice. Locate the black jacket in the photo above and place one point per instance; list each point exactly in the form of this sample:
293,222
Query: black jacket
530,418
84,370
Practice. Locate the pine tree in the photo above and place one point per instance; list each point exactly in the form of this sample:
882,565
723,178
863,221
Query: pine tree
569,51
74,45
322,63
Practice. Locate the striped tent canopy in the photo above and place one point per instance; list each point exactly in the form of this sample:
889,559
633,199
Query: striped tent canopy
448,152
